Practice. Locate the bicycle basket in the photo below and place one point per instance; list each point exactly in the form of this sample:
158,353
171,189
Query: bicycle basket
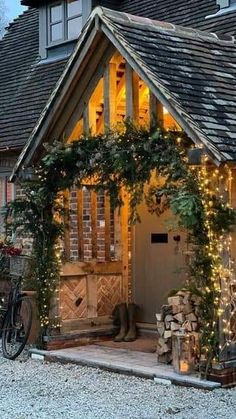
19,265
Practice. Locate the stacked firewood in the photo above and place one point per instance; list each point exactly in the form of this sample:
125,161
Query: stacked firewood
182,311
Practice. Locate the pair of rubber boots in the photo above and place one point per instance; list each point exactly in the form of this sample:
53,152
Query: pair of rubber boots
127,320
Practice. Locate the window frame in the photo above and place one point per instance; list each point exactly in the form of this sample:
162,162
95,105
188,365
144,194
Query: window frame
65,20
223,9
230,3
4,179
51,24
4,195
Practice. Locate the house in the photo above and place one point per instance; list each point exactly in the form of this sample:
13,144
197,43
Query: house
78,68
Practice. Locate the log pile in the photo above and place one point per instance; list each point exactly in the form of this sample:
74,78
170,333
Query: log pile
182,309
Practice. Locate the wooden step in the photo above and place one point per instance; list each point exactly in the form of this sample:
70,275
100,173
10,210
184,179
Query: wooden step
80,337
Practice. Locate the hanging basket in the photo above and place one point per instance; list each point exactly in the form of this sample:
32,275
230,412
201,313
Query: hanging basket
19,265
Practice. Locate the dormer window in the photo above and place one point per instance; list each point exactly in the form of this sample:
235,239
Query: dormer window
225,3
225,6
60,24
64,21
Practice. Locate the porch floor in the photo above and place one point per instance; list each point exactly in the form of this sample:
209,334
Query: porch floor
123,361
142,344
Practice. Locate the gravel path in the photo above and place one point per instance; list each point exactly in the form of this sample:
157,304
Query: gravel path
31,389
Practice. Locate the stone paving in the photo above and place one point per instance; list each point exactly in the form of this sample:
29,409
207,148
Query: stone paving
124,361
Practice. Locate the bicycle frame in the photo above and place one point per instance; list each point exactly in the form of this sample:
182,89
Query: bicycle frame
13,297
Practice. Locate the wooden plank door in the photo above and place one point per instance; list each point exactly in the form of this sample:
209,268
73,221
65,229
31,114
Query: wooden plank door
158,263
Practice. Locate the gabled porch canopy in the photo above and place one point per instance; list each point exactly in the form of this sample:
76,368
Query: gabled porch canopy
192,73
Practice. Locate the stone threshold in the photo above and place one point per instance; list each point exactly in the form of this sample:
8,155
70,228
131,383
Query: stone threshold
123,361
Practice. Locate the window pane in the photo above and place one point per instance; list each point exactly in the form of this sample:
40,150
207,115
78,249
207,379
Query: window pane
74,7
74,27
56,13
56,32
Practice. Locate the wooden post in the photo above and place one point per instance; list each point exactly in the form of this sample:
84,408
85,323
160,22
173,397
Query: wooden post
132,94
77,131
80,205
98,99
90,118
132,112
107,227
125,246
110,112
66,198
92,303
110,94
94,223
156,112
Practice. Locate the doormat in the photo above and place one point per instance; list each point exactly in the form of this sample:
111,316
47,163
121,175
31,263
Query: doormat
142,344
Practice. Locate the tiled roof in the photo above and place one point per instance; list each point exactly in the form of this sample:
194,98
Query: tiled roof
190,13
199,73
25,85
184,12
192,72
195,70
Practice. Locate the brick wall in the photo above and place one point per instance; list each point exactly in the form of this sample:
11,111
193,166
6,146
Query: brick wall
87,237
21,240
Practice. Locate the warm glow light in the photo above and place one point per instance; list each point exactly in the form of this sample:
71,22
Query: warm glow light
165,111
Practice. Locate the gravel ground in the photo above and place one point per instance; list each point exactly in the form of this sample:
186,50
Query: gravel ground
31,389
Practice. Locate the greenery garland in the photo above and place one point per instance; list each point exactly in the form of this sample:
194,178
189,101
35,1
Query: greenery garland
129,158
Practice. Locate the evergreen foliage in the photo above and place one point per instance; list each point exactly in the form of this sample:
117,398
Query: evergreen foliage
131,158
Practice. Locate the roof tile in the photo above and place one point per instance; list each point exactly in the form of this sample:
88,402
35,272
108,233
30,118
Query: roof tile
25,86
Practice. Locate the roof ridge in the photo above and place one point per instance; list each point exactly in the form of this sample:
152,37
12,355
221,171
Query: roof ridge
166,26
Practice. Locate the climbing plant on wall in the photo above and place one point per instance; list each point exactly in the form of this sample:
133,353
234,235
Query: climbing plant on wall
129,158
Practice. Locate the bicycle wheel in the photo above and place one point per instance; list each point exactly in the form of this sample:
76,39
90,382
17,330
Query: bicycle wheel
16,328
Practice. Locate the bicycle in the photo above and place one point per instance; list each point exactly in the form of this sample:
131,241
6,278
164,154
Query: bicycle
17,319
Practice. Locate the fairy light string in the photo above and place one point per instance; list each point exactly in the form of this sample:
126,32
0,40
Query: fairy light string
126,160
216,183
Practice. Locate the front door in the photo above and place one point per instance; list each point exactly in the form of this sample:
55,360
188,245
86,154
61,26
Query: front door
158,263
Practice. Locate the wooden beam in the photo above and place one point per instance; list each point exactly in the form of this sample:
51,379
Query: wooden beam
110,94
121,89
107,228
94,223
117,235
156,111
110,117
97,96
83,91
53,118
153,85
100,123
66,198
80,205
132,94
77,131
125,245
90,118
120,93
117,59
92,302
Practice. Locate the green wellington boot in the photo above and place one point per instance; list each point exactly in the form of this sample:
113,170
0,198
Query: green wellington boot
132,333
123,319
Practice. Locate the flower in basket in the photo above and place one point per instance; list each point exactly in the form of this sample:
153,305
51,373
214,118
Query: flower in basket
9,250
